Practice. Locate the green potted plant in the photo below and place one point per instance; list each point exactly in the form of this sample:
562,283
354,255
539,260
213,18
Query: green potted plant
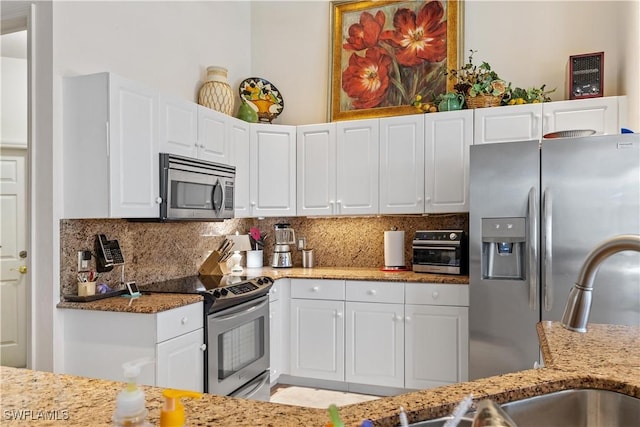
479,84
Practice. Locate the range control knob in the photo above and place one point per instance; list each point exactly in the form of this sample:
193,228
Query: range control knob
224,292
453,236
268,279
216,293
259,282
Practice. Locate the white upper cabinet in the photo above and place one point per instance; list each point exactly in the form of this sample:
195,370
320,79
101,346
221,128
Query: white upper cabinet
507,123
599,114
272,186
110,149
402,164
357,161
448,136
178,126
316,169
191,130
239,141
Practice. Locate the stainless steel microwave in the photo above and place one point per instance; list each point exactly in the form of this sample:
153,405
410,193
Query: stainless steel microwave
440,251
194,189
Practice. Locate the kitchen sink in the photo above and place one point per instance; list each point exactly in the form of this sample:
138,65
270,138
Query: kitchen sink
567,408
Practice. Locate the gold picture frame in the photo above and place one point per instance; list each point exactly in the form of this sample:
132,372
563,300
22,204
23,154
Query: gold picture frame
376,71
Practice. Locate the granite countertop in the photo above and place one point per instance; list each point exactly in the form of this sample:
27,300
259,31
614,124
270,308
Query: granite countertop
606,357
146,303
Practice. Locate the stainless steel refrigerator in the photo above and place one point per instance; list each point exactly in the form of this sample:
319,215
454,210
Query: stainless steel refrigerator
536,210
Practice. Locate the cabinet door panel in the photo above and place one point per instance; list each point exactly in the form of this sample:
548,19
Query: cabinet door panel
178,126
316,169
436,345
599,114
402,164
213,135
180,362
239,141
448,137
317,339
507,124
374,344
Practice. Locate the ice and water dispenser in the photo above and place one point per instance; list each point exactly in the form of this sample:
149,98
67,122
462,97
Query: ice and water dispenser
503,248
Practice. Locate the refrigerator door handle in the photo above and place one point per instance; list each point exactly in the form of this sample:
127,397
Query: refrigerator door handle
548,254
533,248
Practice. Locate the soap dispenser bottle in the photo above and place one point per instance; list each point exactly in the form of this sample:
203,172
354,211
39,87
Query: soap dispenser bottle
130,403
172,414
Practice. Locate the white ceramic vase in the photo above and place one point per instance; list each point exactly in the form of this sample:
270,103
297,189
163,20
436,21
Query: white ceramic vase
216,93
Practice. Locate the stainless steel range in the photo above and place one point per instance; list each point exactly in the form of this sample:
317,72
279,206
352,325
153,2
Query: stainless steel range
236,310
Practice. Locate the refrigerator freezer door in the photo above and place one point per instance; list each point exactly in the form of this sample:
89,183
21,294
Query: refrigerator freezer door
504,309
591,191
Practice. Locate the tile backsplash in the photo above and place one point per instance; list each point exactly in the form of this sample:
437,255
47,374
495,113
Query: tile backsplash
157,251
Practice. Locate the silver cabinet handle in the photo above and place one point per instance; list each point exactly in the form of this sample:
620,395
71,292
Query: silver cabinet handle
533,248
547,210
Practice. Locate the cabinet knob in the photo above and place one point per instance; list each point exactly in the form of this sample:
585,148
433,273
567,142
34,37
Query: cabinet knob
315,289
397,318
203,347
158,200
184,320
372,292
407,319
435,294
338,314
427,199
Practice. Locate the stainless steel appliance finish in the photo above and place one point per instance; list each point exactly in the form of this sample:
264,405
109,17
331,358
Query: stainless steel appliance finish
440,251
193,189
239,349
236,312
536,210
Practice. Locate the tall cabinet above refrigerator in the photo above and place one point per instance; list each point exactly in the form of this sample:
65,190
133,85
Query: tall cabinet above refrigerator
536,210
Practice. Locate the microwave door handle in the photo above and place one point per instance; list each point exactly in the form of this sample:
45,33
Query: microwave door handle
217,196
446,248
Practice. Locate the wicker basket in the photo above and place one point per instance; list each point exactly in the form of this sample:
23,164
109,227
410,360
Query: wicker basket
481,101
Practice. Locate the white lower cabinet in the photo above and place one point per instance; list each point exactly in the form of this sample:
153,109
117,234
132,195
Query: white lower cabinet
97,343
279,329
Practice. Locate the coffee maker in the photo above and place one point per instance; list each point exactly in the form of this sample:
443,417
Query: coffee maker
285,237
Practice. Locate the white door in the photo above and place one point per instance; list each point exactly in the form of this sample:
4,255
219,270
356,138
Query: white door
436,345
374,350
507,123
599,114
402,164
273,170
316,169
178,126
213,135
358,155
317,339
14,277
239,138
448,137
180,362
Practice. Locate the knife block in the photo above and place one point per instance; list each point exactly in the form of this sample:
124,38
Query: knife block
212,265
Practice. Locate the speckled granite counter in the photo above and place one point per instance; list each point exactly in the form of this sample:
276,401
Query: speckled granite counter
356,273
152,303
607,357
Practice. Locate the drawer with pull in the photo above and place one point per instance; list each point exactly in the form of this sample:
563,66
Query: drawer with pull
178,321
385,292
317,289
437,294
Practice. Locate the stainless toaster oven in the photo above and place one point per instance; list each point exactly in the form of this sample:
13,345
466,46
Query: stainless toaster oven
440,251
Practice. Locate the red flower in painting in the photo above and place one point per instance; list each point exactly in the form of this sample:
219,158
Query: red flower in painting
419,38
366,79
366,33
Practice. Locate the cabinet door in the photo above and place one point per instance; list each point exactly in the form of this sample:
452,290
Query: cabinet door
273,170
402,164
275,336
448,136
180,362
374,344
239,150
599,114
213,135
317,339
436,345
357,160
178,126
508,123
316,169
133,150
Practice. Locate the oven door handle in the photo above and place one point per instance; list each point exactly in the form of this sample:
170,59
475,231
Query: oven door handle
446,248
241,310
259,383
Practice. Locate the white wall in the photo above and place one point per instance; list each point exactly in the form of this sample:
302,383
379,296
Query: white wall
13,108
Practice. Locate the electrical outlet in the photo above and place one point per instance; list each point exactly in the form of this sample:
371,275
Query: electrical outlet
84,258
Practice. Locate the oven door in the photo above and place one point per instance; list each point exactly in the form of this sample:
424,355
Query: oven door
238,349
437,259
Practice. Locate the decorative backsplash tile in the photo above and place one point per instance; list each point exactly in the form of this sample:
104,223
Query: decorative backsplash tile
157,251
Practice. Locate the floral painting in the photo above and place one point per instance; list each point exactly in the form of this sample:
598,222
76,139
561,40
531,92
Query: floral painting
385,53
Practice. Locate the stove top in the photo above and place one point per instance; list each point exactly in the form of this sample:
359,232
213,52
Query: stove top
219,292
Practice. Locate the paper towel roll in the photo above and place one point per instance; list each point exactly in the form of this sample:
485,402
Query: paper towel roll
394,249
